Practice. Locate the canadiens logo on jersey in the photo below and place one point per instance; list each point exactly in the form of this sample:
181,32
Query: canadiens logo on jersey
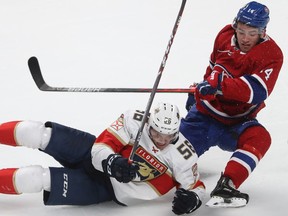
118,124
149,166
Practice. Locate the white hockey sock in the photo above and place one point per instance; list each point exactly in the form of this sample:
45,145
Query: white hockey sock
32,179
33,134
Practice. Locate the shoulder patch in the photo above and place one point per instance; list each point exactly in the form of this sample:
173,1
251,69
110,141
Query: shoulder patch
118,124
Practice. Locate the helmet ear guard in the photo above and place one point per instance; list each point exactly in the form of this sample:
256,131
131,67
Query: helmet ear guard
165,119
253,14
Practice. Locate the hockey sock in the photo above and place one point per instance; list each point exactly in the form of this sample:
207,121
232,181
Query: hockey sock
7,181
252,146
7,133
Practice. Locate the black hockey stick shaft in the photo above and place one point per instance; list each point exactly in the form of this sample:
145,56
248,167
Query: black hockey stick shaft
38,78
155,86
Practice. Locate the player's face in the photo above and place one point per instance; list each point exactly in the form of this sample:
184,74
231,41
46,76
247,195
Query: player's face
161,140
247,36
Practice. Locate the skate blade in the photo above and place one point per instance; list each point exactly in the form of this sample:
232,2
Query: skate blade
220,202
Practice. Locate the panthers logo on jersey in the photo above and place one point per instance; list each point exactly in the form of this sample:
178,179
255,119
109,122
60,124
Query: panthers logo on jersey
149,166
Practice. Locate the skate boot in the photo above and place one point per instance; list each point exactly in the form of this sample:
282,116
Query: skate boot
226,196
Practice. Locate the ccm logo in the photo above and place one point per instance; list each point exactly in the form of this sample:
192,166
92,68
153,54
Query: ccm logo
65,185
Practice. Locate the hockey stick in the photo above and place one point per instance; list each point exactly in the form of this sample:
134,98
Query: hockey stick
38,78
155,86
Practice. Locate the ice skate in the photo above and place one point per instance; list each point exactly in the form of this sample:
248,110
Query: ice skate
226,196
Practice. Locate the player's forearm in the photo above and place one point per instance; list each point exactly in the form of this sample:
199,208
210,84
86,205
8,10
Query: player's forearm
245,89
100,152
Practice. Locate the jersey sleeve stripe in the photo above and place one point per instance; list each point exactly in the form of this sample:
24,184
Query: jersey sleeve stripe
250,87
258,88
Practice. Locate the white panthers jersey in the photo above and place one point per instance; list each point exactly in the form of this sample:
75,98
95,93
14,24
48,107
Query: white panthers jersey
160,170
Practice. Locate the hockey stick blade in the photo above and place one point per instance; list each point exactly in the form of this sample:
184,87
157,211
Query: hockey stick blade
36,73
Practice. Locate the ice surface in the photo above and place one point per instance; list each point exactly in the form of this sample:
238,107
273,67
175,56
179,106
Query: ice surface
98,43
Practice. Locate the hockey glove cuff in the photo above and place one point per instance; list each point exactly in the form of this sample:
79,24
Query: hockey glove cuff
191,98
190,101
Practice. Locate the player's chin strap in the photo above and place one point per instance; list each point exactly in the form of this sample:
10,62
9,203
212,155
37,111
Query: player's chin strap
154,89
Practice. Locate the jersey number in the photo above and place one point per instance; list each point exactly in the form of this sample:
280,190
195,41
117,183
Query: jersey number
186,149
138,115
268,72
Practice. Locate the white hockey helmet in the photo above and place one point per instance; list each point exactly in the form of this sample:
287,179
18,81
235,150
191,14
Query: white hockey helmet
165,119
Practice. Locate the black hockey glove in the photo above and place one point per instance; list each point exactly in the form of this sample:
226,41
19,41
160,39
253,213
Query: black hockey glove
118,167
185,202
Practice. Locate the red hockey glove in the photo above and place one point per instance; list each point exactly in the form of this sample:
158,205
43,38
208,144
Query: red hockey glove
212,85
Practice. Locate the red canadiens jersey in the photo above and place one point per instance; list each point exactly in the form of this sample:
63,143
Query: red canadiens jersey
160,170
249,77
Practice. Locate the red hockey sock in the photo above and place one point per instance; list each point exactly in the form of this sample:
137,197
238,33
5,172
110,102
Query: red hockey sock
236,172
253,143
7,181
7,133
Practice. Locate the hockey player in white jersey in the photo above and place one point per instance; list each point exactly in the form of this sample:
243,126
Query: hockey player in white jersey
97,169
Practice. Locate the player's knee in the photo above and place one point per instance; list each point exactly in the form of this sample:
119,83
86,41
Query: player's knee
32,179
256,140
33,134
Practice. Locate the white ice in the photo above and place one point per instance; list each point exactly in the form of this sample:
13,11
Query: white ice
121,43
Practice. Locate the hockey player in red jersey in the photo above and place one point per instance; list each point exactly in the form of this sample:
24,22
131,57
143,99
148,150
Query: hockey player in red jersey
244,67
98,170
